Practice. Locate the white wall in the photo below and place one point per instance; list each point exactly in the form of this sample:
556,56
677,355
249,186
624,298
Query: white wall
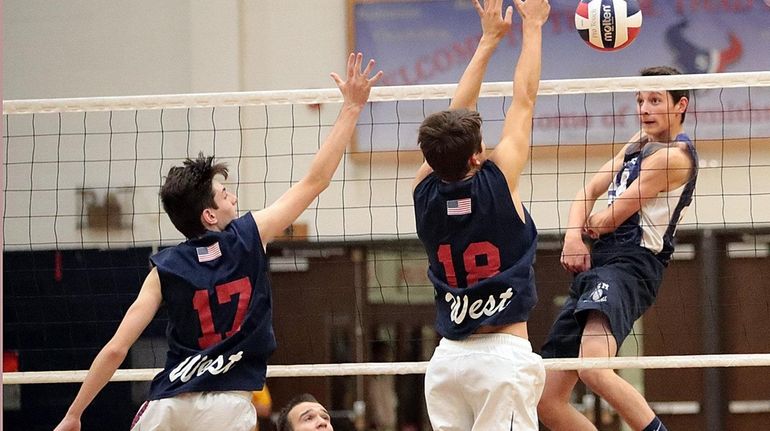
109,47
81,48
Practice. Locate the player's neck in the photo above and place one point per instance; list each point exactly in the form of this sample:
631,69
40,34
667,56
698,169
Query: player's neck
667,136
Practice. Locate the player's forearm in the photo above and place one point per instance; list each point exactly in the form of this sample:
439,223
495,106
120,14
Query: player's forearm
329,155
103,368
579,212
603,222
526,77
468,88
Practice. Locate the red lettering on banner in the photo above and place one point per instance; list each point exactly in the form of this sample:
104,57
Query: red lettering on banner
439,61
690,6
649,8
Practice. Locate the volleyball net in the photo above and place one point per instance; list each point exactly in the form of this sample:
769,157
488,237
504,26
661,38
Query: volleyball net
82,215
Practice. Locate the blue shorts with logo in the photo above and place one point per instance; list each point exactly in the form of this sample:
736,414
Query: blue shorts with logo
621,284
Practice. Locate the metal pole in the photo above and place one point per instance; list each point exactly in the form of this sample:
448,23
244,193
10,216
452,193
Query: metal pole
359,285
713,397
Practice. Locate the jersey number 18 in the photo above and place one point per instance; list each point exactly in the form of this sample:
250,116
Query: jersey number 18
475,271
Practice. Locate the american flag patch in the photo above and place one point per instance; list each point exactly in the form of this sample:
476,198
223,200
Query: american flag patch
207,254
458,206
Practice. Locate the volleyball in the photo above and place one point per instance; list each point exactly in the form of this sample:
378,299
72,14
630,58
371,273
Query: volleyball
608,25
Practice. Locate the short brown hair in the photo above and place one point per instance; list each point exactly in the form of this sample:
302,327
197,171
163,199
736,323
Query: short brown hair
283,423
448,139
676,95
187,192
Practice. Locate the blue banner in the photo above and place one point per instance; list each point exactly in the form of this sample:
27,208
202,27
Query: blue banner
431,42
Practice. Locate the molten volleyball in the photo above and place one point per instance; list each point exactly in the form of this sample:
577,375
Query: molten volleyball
608,25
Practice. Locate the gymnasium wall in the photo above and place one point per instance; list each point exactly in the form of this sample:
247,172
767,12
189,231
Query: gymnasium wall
98,48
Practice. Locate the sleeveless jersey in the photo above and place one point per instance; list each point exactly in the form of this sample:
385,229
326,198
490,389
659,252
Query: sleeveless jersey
217,292
654,226
480,252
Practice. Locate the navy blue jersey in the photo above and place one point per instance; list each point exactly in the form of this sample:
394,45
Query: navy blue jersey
480,252
217,292
654,226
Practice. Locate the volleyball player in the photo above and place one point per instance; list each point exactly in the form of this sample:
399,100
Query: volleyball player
304,413
481,241
216,289
651,182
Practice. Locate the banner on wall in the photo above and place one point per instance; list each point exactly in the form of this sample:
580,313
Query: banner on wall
431,42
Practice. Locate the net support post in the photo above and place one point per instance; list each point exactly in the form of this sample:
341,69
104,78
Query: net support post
713,398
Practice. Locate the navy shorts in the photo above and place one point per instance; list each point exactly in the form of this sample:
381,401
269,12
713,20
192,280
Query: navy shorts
620,285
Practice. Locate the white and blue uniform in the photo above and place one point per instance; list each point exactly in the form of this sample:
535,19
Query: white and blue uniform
480,255
220,331
654,226
626,264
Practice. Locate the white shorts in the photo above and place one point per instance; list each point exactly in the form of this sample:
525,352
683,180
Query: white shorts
198,411
486,382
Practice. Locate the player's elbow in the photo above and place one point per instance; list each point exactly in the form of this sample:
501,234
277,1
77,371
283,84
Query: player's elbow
524,98
115,352
317,183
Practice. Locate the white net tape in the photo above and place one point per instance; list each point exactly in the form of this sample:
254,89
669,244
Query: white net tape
400,368
382,94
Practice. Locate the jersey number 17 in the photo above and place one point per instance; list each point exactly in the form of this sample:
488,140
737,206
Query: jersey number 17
225,293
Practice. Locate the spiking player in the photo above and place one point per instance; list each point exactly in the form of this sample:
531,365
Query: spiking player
216,289
651,182
481,243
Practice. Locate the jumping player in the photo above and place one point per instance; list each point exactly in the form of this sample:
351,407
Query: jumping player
216,289
481,241
651,182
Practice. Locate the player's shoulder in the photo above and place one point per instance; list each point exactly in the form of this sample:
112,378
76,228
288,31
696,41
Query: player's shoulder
670,151
672,160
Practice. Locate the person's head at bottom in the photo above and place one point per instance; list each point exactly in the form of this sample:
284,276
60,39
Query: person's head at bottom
304,413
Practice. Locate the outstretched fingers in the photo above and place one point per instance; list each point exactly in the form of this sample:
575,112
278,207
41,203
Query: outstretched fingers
355,88
351,65
368,71
535,10
357,66
337,79
373,80
349,69
508,19
477,6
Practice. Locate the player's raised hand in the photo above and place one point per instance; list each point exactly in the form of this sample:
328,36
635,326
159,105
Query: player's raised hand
493,23
533,11
356,87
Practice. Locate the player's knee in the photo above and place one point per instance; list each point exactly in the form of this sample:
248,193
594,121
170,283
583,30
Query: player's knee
596,379
549,406
545,408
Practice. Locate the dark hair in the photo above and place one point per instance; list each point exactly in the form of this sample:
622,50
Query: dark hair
448,139
283,423
187,192
676,95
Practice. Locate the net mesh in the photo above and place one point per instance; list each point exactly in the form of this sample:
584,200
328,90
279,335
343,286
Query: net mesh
82,215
